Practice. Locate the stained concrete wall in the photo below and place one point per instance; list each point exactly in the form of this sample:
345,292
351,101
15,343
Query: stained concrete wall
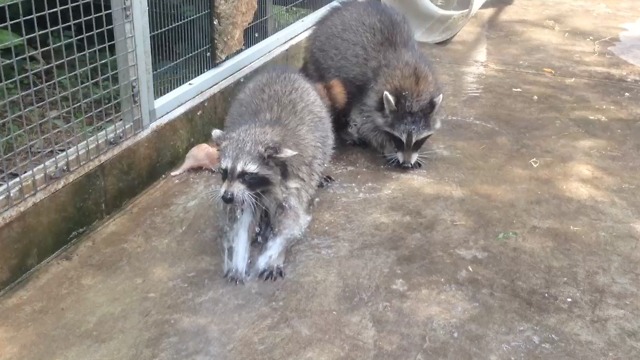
57,220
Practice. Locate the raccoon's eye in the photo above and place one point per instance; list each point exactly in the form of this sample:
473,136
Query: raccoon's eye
249,177
254,181
397,142
224,173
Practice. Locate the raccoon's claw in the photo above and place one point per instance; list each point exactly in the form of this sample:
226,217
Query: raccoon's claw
272,273
233,276
325,181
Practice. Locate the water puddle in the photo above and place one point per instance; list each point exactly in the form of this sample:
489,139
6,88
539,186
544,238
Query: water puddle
628,48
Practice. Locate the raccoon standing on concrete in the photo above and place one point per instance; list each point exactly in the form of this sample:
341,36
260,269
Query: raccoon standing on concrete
277,140
381,87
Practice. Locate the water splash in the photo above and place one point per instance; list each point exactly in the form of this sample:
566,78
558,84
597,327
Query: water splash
628,48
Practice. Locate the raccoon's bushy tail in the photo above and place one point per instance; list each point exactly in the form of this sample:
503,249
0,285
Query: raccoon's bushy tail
333,94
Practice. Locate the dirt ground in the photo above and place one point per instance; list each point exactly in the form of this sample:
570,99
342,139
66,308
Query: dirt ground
518,240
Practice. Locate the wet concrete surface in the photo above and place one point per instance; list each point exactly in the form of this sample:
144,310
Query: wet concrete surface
518,240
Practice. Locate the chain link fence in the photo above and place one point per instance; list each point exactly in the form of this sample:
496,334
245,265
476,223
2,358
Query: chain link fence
70,70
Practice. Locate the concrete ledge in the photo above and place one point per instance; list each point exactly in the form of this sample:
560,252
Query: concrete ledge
45,227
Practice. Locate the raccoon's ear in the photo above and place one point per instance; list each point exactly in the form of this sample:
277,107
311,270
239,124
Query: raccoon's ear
285,153
217,136
278,152
389,102
436,101
435,104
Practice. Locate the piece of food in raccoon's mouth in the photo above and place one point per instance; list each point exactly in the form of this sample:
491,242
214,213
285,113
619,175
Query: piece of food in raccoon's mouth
202,156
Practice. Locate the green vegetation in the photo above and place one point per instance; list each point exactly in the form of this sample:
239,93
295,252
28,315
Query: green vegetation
287,15
507,235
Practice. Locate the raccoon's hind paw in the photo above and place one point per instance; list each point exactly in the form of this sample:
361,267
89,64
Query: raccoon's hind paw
272,272
326,181
234,276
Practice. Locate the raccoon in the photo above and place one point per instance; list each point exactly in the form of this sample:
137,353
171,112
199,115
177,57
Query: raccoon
388,94
277,140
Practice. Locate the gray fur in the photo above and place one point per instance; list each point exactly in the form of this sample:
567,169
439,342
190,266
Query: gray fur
277,127
370,48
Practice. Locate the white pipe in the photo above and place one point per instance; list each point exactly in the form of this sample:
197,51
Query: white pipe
432,23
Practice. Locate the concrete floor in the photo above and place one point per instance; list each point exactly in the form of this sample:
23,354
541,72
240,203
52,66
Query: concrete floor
518,240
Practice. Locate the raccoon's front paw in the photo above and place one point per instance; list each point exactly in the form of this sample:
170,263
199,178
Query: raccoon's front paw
272,272
235,276
357,142
351,138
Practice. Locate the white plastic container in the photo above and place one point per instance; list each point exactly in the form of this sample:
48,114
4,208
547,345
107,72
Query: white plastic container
436,21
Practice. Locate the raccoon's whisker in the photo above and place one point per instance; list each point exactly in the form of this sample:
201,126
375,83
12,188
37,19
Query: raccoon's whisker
263,201
257,206
228,209
425,156
252,203
393,161
245,203
256,200
212,191
262,196
214,194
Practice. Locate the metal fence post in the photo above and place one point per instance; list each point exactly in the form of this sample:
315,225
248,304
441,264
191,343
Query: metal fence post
126,59
142,38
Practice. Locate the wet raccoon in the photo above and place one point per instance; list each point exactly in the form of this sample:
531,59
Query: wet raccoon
277,140
388,95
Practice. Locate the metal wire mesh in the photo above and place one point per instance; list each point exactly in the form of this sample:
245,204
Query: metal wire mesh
184,44
275,15
181,43
68,72
66,79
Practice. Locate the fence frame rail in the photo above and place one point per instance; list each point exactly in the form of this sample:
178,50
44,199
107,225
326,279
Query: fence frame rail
140,110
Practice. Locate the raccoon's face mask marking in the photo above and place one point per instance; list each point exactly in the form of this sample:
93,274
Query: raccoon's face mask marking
242,183
408,129
245,176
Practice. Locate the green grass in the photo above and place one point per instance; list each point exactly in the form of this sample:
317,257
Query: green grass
285,16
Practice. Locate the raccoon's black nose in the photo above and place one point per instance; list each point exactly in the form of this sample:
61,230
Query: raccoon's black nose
406,165
227,197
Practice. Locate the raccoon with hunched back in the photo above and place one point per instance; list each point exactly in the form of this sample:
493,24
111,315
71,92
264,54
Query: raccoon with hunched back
277,140
364,55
